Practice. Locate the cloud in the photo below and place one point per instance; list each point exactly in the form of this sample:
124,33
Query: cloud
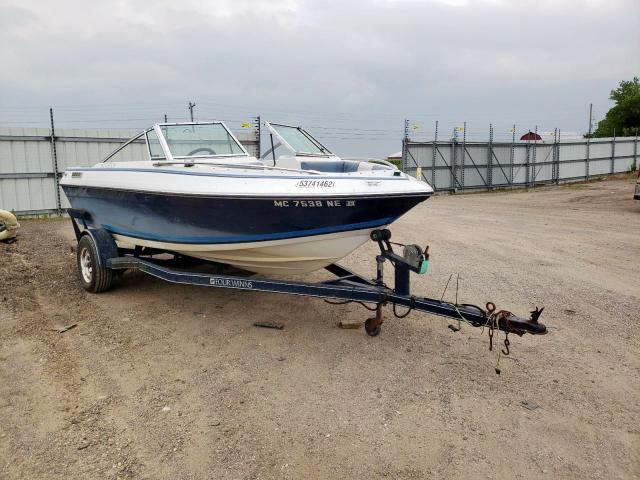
359,65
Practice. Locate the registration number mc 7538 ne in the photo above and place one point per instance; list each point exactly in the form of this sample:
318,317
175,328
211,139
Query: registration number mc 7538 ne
314,203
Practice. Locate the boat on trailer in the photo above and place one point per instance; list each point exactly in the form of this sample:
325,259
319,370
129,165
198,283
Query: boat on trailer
200,197
200,194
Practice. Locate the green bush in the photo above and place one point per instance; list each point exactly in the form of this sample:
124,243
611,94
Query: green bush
397,162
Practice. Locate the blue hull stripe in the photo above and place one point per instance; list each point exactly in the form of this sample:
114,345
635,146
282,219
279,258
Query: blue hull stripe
205,174
249,238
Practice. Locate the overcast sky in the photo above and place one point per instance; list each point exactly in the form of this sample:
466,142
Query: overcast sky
350,71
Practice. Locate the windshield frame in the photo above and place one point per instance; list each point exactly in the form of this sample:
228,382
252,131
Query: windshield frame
327,152
169,157
127,143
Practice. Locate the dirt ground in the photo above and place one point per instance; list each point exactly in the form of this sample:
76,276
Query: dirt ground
161,381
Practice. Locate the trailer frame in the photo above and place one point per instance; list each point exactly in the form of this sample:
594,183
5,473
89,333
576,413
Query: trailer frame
99,255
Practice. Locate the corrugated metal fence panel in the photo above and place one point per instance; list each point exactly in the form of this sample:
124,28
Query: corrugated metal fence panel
25,155
600,150
624,149
444,160
27,194
623,164
573,151
572,160
501,164
572,169
22,157
73,150
600,167
624,156
249,141
64,201
520,159
421,156
542,162
474,158
520,163
82,148
27,180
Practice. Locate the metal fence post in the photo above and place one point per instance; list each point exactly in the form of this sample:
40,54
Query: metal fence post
404,162
613,151
404,146
535,148
635,151
526,164
588,155
490,158
464,153
434,151
512,154
258,135
452,177
556,163
54,160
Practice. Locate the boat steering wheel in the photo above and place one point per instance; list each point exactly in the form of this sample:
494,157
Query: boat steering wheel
200,150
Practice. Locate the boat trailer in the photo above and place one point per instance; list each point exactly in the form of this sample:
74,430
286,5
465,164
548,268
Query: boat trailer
100,260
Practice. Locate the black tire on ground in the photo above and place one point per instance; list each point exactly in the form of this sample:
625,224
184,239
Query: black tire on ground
93,277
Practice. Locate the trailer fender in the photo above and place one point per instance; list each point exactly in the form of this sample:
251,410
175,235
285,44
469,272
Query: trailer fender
105,245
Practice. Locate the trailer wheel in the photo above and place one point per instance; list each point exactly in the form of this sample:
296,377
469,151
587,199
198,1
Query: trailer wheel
93,277
372,327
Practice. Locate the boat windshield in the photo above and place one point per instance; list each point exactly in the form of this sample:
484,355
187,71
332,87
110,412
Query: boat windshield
299,140
199,140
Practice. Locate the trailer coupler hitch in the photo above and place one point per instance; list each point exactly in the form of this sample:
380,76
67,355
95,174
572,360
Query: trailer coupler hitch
511,323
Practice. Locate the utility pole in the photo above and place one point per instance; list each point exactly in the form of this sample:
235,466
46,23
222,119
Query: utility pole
191,105
165,118
590,119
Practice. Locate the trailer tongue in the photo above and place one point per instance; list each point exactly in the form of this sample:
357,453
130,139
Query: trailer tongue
99,259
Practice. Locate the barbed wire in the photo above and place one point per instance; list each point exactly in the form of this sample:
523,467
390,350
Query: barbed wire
342,129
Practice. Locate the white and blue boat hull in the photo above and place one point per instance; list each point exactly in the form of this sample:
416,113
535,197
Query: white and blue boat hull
297,227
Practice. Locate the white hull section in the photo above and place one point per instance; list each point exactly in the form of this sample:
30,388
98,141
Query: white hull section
289,256
238,182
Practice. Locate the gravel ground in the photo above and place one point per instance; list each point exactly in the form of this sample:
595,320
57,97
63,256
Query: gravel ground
172,381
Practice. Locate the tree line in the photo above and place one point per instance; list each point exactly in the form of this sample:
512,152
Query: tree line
623,119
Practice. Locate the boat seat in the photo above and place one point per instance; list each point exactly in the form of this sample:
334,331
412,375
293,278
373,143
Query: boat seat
340,166
330,166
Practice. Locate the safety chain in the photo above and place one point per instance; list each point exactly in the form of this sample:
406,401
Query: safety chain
493,320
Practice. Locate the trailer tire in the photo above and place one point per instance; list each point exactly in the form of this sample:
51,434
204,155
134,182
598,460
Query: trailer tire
93,277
